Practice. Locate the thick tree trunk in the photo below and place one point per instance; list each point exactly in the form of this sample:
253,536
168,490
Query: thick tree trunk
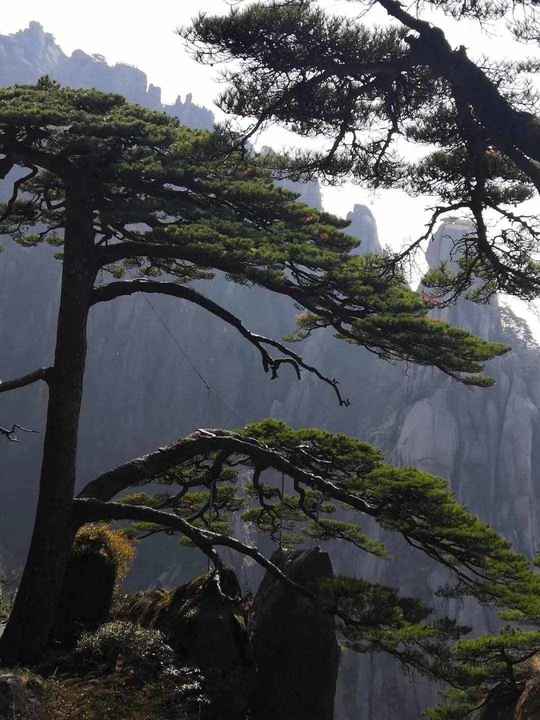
31,620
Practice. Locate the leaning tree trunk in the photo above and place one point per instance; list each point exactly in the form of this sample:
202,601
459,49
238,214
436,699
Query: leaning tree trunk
31,620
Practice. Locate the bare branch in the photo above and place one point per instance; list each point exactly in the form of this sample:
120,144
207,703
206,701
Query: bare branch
11,435
40,374
15,193
6,165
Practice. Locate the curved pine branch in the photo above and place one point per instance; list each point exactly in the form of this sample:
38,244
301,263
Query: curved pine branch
270,363
89,510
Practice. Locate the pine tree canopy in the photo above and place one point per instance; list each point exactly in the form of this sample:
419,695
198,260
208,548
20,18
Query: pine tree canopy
399,107
163,200
119,189
297,486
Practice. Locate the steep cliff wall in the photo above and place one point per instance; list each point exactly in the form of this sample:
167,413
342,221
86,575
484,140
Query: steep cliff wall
483,441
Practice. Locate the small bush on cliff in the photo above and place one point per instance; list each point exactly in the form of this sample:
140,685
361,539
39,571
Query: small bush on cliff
114,545
139,651
116,697
99,561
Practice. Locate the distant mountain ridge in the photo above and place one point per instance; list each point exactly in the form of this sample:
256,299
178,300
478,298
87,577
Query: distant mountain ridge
30,53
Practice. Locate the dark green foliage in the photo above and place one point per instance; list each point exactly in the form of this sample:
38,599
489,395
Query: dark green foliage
490,672
373,93
293,483
168,200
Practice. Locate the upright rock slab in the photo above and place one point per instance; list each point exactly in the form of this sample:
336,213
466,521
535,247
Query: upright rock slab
294,641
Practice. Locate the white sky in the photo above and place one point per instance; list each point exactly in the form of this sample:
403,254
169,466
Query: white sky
143,34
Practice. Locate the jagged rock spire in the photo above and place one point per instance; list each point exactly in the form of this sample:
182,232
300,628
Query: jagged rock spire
364,227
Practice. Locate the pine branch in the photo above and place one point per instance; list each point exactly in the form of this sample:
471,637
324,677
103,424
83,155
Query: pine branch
90,510
129,287
202,442
469,83
11,434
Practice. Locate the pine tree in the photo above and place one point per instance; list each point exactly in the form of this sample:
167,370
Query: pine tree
377,96
131,193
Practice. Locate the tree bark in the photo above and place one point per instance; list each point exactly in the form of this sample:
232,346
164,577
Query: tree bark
31,620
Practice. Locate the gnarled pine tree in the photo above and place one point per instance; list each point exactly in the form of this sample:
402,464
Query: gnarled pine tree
381,95
376,93
119,188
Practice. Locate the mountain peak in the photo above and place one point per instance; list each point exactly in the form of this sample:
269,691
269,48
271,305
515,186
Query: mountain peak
363,226
444,244
31,53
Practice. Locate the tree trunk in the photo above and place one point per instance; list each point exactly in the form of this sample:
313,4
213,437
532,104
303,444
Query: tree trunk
31,620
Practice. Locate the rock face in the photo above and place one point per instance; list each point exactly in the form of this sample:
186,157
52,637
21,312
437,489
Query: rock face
528,705
86,597
363,226
486,442
502,706
295,644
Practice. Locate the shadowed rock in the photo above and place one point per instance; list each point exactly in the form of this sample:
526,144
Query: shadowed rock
295,644
203,622
86,598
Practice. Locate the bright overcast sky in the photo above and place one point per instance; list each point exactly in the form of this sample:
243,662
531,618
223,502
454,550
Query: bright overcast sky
142,33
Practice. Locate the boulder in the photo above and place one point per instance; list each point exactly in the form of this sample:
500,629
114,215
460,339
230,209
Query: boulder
294,642
519,700
502,704
203,621
528,705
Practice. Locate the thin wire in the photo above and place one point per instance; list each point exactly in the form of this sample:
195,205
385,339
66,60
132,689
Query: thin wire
189,361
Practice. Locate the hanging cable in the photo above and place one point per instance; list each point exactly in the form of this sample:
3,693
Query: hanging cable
189,361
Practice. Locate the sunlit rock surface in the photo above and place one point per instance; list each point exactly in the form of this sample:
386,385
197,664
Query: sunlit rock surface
294,642
31,53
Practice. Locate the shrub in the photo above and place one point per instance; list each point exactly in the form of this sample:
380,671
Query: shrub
122,645
99,561
114,545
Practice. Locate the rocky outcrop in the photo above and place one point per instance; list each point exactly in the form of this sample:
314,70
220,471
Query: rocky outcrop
294,642
363,226
528,704
285,668
204,623
86,598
